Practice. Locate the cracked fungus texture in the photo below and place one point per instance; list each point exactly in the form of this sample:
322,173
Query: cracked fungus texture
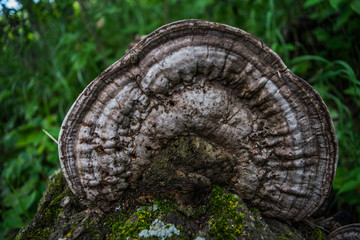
216,82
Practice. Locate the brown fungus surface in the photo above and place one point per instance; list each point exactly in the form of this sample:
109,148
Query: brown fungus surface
348,232
212,82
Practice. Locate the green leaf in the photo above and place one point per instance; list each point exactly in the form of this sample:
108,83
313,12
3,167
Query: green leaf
29,200
3,230
321,34
30,185
353,91
310,3
354,174
336,3
310,58
349,71
10,139
5,94
355,5
29,138
10,200
343,18
12,219
349,186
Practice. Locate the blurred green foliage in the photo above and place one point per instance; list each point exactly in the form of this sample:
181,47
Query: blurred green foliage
50,50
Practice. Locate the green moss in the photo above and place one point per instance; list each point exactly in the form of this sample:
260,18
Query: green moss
130,229
199,211
70,231
317,234
164,206
285,236
226,221
48,210
126,225
254,210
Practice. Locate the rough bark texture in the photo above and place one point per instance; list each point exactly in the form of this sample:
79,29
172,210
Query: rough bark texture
268,129
220,215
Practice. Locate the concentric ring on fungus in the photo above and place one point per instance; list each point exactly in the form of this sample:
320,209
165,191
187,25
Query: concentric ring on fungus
214,82
347,232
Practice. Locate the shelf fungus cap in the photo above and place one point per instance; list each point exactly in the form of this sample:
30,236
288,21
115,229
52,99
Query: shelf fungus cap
347,232
219,85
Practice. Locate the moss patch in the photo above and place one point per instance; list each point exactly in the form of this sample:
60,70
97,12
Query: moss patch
285,236
123,229
49,208
221,215
226,221
129,225
317,234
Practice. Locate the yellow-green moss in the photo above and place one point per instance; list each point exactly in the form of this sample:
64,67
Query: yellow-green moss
70,231
226,221
132,227
285,236
127,225
317,234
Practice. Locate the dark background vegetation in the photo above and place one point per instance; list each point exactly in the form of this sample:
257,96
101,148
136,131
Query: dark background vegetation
50,50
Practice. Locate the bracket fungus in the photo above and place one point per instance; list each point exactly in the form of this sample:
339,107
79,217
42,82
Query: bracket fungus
347,232
219,86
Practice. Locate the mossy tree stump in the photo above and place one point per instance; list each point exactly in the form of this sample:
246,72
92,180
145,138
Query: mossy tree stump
191,205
